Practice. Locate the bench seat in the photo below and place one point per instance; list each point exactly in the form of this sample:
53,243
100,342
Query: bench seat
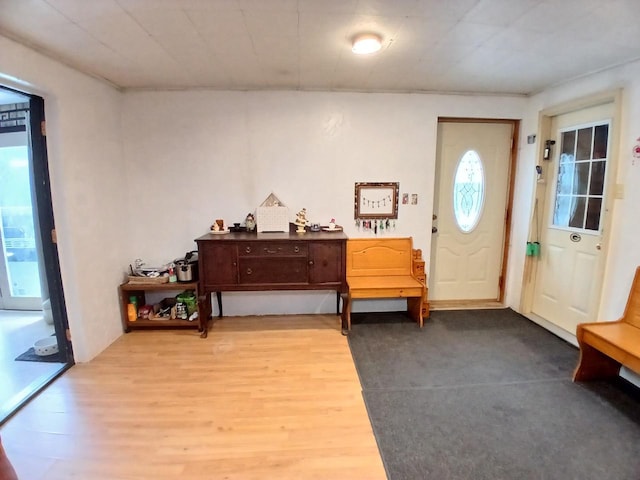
384,268
605,346
384,287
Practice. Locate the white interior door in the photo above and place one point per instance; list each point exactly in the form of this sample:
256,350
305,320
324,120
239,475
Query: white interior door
569,272
470,204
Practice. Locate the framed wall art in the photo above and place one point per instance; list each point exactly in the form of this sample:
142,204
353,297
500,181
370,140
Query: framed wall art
376,200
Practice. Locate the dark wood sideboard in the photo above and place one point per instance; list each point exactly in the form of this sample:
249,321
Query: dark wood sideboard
243,261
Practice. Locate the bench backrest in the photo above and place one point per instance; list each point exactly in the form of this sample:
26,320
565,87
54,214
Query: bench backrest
632,310
379,256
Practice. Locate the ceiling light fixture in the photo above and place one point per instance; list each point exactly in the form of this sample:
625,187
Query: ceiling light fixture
366,43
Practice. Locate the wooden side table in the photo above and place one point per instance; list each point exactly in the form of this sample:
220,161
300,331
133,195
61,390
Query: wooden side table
126,290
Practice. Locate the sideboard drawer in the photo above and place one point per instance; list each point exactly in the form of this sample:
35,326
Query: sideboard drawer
272,249
273,270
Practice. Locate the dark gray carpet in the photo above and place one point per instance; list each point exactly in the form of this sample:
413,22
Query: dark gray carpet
487,394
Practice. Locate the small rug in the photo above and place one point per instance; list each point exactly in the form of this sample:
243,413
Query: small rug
30,356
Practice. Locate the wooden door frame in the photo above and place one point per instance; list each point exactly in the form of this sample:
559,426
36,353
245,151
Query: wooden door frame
515,135
539,197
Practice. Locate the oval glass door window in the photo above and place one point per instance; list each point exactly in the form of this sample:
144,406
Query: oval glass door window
468,191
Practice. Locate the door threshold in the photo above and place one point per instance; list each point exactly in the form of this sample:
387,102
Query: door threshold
464,304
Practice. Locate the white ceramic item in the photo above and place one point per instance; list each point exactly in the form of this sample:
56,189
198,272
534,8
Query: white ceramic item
46,346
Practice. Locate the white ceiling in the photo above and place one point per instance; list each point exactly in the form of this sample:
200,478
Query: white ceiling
483,46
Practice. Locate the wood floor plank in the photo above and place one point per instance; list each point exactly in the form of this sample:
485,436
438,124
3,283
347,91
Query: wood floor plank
262,397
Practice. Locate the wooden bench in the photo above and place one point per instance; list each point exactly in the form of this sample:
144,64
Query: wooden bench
383,268
605,346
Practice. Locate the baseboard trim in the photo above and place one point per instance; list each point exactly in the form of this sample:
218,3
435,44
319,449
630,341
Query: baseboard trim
553,328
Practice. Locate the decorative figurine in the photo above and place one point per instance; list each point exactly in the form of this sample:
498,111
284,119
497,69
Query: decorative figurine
218,225
301,220
250,222
332,224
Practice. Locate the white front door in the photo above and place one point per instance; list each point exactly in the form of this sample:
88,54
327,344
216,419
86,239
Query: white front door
470,205
570,268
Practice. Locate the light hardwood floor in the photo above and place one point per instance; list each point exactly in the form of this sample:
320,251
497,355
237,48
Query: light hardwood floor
261,398
18,332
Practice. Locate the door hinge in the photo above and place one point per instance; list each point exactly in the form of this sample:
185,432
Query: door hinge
54,236
43,128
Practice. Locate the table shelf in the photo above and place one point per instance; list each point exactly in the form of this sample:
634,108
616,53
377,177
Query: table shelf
140,289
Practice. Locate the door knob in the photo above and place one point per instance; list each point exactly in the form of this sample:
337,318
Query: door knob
434,229
599,246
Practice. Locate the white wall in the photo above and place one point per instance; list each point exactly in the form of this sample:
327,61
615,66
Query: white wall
196,156
191,157
88,189
623,252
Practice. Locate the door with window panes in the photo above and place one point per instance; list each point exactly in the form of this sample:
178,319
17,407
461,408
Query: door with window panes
571,263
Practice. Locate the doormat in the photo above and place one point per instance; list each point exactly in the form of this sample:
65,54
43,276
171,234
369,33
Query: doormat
30,356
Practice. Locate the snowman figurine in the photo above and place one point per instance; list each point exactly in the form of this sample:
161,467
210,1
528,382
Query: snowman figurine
301,220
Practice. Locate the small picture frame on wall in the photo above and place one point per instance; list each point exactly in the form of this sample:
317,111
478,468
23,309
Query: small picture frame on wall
376,200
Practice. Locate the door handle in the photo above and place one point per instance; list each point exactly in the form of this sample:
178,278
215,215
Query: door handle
434,229
599,246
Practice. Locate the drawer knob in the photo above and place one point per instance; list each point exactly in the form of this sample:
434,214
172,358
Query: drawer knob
249,271
296,249
310,262
247,249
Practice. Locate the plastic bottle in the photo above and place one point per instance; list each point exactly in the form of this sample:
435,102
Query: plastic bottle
132,309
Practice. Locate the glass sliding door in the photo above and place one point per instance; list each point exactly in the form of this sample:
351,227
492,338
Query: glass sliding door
29,266
19,269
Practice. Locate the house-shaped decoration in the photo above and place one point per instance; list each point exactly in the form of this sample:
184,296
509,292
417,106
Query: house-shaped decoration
272,215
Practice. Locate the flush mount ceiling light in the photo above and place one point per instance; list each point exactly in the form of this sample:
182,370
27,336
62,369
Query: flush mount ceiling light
366,43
